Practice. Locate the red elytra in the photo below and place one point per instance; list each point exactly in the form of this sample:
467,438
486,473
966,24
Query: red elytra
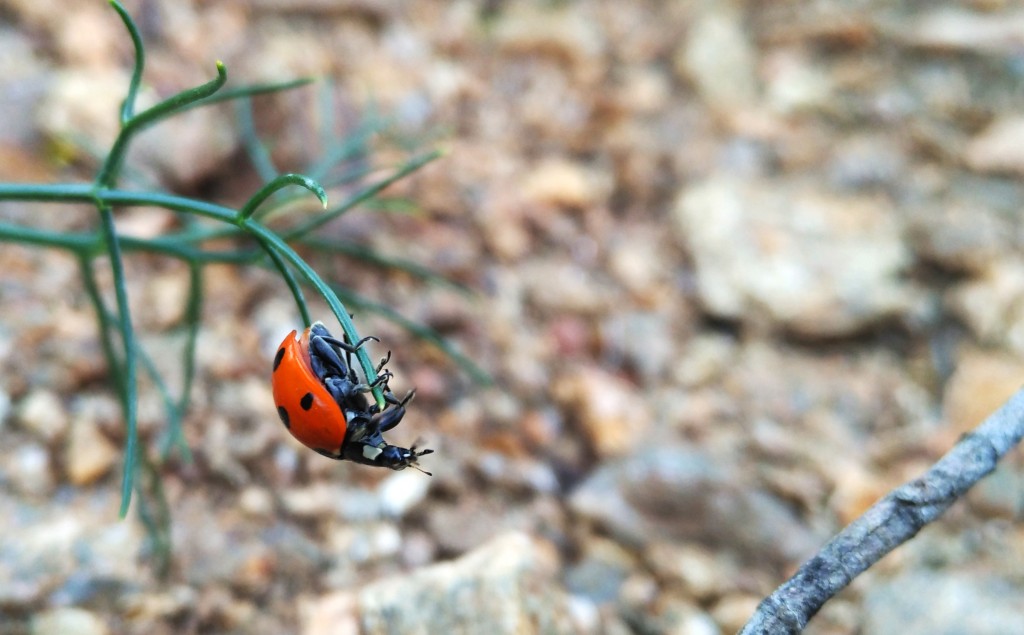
303,403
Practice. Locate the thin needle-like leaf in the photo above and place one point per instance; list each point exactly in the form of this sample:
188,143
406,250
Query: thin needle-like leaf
92,289
258,152
128,105
249,91
425,333
108,173
293,284
364,195
124,325
366,254
282,181
193,313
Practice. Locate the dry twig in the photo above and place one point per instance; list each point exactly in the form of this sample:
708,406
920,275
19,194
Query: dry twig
889,523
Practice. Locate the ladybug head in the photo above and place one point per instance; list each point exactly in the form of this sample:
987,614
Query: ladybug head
392,456
398,458
364,441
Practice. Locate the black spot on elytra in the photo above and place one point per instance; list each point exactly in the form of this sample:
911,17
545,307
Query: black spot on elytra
307,401
281,412
278,357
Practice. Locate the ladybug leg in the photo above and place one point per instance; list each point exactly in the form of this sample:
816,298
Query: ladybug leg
393,400
346,389
345,392
389,397
382,378
320,331
349,350
383,362
390,418
324,357
345,346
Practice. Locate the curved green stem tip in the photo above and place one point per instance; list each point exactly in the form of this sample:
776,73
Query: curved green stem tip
281,182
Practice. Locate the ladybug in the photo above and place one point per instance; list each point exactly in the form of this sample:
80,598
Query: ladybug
324,406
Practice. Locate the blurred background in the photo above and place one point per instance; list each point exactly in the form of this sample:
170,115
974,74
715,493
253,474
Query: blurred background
738,268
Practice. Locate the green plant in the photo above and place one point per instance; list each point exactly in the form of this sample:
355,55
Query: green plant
258,245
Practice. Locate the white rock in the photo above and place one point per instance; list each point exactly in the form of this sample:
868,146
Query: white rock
999,147
365,543
503,587
794,256
402,491
83,103
42,413
795,84
68,620
257,501
719,57
30,471
333,614
992,305
961,29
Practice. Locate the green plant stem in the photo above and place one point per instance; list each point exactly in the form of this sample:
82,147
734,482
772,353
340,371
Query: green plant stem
77,243
85,243
87,193
171,407
362,196
425,333
156,518
248,91
193,311
107,175
92,289
278,183
259,153
293,284
124,324
128,105
365,254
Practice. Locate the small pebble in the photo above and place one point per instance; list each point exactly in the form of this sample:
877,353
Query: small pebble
718,56
68,620
402,491
600,402
257,501
734,611
565,184
30,470
89,455
999,148
365,543
43,413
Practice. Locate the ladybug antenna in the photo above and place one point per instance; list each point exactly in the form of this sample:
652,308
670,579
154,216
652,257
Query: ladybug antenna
414,459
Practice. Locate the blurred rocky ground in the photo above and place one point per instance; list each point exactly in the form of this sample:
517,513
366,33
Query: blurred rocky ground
740,268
